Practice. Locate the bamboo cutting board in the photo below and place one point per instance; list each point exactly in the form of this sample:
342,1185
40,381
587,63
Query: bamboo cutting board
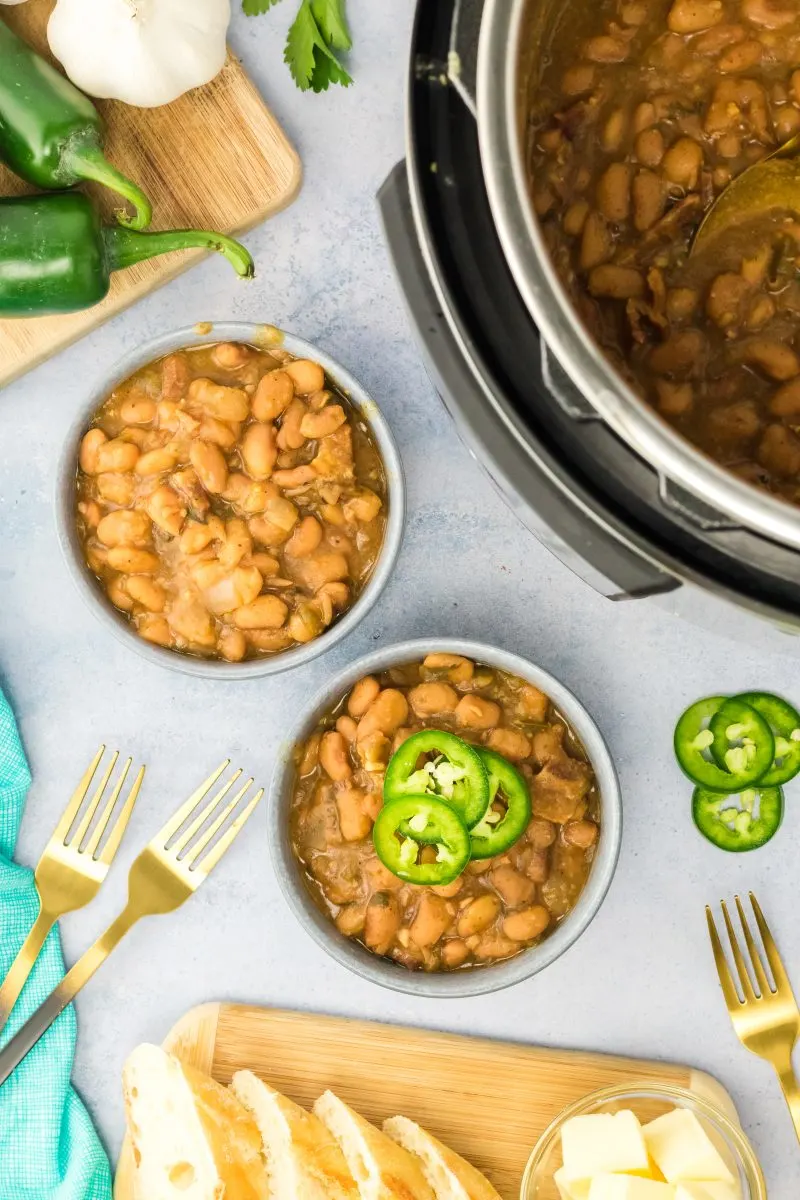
489,1100
214,159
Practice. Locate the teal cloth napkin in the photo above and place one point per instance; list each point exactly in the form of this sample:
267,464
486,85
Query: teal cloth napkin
48,1147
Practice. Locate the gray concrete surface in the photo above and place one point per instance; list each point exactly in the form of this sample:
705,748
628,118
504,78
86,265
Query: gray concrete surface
641,980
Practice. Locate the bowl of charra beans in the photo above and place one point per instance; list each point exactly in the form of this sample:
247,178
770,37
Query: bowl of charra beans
445,819
231,502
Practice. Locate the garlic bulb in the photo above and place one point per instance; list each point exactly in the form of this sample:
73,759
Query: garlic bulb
143,52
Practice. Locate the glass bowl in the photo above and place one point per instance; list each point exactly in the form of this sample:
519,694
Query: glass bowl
647,1101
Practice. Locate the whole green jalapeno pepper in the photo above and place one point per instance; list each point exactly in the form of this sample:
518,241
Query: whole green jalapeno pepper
51,134
56,256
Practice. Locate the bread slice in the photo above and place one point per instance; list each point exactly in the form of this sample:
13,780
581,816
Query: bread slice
304,1161
191,1138
450,1176
382,1169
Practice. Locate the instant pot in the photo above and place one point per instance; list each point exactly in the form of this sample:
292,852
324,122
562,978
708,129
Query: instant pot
614,492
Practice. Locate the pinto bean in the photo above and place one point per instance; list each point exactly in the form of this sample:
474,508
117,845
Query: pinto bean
578,79
137,409
333,756
224,403
649,199
613,193
682,162
575,218
125,528
596,242
511,743
541,833
681,304
515,888
259,450
649,149
458,668
154,462
433,918
582,834
232,645
320,424
606,49
147,592
740,57
692,16
307,376
527,924
130,560
786,401
230,355
265,612
382,921
617,283
735,422
113,455
779,452
478,915
774,358
454,953
674,399
474,712
614,131
154,628
386,713
362,695
683,353
726,298
429,698
273,395
767,14
347,727
289,436
305,539
354,822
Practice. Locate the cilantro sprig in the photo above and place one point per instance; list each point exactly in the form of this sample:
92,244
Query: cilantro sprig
315,36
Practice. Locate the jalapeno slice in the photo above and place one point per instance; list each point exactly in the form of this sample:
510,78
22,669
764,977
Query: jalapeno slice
453,772
693,740
410,825
508,811
742,827
742,744
784,721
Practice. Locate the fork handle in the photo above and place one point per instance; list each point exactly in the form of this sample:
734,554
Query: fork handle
791,1090
62,995
22,965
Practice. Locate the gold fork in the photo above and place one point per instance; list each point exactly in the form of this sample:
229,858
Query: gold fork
167,872
767,1020
69,873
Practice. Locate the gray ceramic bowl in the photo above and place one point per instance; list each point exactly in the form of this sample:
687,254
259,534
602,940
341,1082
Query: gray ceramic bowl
478,980
89,588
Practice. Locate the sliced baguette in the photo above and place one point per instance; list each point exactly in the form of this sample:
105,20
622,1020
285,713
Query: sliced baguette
450,1176
382,1169
191,1138
304,1161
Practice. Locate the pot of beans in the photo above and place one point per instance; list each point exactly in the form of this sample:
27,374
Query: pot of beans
608,133
231,502
446,818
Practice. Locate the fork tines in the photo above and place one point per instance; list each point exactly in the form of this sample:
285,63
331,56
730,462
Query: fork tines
74,827
753,983
200,844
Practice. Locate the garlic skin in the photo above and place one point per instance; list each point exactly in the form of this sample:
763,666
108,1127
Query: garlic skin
142,52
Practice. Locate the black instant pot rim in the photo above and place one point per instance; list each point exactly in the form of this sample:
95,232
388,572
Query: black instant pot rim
473,279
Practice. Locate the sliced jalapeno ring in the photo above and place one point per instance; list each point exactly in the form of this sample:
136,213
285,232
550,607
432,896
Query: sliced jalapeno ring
693,740
508,811
738,827
409,825
453,771
784,721
742,744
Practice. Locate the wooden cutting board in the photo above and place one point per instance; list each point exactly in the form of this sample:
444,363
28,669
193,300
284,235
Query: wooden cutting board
214,159
489,1100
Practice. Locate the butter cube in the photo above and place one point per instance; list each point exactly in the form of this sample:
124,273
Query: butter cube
603,1143
629,1187
682,1149
708,1190
571,1191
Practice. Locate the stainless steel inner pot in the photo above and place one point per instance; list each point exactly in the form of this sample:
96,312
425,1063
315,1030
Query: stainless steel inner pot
514,37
